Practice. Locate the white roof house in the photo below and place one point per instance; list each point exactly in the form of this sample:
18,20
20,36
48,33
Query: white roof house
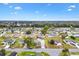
42,42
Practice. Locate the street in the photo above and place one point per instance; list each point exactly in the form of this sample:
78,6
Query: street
52,52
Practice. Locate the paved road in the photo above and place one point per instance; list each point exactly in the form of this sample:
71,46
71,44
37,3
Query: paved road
52,52
74,50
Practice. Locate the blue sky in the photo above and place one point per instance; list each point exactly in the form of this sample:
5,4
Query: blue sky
39,11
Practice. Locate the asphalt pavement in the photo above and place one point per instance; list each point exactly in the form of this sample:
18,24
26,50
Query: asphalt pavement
51,52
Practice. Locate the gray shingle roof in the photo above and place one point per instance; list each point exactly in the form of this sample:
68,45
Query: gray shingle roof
10,41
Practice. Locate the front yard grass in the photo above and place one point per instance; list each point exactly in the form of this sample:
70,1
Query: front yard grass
8,53
57,38
48,45
1,40
26,53
31,53
44,54
74,53
17,44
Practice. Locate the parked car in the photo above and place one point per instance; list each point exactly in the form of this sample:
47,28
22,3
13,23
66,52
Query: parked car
70,42
1,54
77,45
55,42
76,35
13,54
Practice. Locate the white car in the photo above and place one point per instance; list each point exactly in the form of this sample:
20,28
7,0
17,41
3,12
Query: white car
77,45
70,42
7,46
58,43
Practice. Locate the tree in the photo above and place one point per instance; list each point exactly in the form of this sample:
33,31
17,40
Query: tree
44,54
28,32
30,42
44,30
51,28
65,52
72,28
2,51
72,37
51,41
63,36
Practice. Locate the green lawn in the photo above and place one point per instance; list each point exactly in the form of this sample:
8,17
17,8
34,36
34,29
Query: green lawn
8,53
26,53
17,44
57,38
74,53
48,45
1,40
30,53
76,39
44,54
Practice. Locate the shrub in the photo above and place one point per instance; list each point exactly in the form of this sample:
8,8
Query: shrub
44,54
30,42
3,52
72,37
28,32
51,41
65,52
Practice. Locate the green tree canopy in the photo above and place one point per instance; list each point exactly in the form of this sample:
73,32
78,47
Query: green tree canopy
44,30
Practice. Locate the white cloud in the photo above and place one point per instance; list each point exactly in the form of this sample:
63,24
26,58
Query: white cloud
69,9
17,8
72,6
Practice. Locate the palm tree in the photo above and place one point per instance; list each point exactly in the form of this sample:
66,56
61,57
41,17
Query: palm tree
2,51
65,52
63,35
30,42
45,29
